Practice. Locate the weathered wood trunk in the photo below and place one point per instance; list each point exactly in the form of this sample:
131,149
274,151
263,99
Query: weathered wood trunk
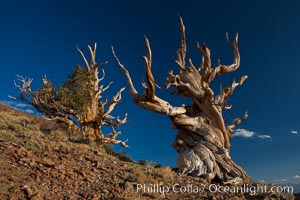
203,139
201,150
88,133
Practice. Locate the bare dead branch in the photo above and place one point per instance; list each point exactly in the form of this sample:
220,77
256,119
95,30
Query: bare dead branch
234,46
114,121
93,55
108,140
102,89
61,119
111,139
222,69
84,59
148,100
45,80
69,112
206,61
181,52
103,76
107,87
221,99
228,91
238,121
24,86
115,133
133,91
150,90
116,99
209,73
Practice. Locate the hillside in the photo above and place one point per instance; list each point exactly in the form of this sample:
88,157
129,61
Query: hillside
39,162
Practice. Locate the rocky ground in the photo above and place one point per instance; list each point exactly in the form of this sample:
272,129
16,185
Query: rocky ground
39,162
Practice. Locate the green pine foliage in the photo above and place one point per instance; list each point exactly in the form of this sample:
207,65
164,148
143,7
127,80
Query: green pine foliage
77,92
47,95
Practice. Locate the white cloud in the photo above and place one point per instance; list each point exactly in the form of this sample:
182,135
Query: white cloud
280,180
29,111
9,103
294,132
250,134
296,177
243,133
264,136
19,106
283,180
22,105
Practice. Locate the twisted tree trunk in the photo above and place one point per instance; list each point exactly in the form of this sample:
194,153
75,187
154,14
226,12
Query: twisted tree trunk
203,139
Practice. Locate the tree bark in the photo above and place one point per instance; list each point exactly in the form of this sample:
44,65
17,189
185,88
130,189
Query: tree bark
201,150
88,133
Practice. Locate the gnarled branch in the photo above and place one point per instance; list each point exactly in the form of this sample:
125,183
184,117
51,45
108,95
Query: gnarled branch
84,59
222,69
116,99
237,121
150,90
114,121
148,100
133,91
206,62
181,53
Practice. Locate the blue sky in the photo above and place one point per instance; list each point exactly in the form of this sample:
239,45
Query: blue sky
40,37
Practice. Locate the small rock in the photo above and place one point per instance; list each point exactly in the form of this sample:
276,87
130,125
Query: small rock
47,162
27,190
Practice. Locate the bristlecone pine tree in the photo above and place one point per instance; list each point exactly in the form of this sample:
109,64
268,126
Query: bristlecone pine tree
77,103
203,139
